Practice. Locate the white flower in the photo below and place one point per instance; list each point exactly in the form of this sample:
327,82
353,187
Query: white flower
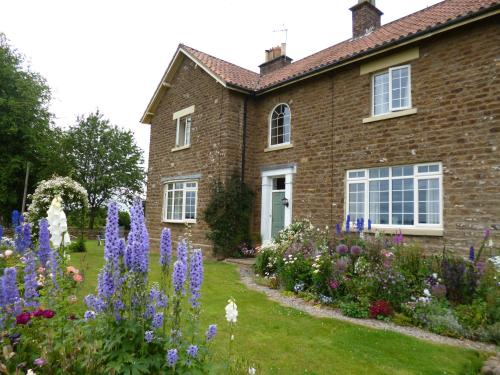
231,311
435,276
58,225
8,253
31,372
251,371
427,293
232,337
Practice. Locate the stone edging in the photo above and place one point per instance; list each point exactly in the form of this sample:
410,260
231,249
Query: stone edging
247,277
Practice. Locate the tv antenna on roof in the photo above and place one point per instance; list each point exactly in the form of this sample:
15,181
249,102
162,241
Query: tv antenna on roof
282,30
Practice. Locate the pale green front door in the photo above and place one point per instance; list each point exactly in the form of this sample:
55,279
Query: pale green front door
278,209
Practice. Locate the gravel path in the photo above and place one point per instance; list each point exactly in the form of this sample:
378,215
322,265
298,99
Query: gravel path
247,277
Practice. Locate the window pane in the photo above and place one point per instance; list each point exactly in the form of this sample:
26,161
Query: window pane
187,130
405,170
181,129
356,201
402,201
280,125
279,183
379,172
400,89
379,202
190,204
170,196
356,174
428,201
381,93
178,197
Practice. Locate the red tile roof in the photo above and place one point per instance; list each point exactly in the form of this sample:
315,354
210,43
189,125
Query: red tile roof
423,21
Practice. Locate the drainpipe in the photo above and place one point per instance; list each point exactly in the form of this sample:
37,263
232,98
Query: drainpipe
244,138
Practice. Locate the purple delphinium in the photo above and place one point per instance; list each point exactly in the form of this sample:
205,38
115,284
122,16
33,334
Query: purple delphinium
95,303
30,284
1,234
192,351
179,276
15,218
148,336
338,229
112,241
342,249
137,251
166,247
157,321
150,311
195,277
162,301
105,283
10,292
89,314
18,238
471,254
26,237
53,266
172,357
347,223
211,332
356,250
182,252
44,242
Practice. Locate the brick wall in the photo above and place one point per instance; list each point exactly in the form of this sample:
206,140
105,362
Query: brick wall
454,87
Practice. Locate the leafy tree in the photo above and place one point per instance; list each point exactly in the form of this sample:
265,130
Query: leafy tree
26,134
105,160
228,215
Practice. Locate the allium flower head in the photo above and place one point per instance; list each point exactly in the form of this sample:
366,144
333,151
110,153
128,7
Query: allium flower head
342,249
195,277
172,357
356,250
166,247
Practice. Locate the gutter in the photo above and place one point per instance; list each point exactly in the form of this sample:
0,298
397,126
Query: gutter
244,138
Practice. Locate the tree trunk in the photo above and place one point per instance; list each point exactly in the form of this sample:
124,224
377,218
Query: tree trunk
92,213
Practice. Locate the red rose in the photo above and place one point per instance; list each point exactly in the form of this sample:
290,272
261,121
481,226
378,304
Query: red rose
23,318
48,314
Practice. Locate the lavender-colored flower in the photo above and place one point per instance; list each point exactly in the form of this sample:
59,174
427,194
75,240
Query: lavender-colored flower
44,242
369,224
112,242
338,229
154,294
172,357
211,332
487,233
157,321
192,351
347,223
150,311
89,315
105,283
1,234
471,254
182,252
118,305
195,277
166,247
30,283
26,237
137,251
95,303
179,276
342,249
54,267
162,301
39,362
356,250
10,292
398,238
15,218
149,336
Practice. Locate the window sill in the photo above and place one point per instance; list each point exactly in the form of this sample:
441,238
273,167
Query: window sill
278,147
432,232
180,221
387,116
180,148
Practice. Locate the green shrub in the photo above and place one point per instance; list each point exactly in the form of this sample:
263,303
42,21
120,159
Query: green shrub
355,309
124,219
293,270
228,216
77,246
401,320
266,262
446,324
494,333
472,316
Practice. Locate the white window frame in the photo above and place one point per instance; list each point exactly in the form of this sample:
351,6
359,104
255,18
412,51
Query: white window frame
177,117
184,190
270,119
416,177
391,109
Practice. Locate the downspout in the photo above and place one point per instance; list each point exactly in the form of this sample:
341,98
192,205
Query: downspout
244,138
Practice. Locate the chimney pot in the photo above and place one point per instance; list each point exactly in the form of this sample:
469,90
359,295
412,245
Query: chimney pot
275,58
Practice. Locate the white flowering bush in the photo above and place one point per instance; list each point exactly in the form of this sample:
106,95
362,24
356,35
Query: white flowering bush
72,193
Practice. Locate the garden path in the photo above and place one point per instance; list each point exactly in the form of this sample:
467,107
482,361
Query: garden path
247,277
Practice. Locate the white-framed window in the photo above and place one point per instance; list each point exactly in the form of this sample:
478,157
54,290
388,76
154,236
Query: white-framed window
183,121
180,201
398,196
391,90
279,125
183,134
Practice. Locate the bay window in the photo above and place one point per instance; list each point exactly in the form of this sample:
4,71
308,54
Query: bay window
398,196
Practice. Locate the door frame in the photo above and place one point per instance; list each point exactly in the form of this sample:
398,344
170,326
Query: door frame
266,201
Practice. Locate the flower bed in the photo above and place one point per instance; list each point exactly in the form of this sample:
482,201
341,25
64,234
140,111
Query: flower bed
384,277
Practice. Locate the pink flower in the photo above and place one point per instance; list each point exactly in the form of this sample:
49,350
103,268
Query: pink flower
48,314
39,362
78,278
334,284
71,269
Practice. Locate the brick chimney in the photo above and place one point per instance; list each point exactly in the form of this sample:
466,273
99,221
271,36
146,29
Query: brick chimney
365,18
275,58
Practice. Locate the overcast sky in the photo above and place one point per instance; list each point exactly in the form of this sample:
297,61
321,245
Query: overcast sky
111,54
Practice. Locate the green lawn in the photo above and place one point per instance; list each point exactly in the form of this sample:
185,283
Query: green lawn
282,340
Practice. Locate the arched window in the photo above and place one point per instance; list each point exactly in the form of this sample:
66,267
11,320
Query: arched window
279,132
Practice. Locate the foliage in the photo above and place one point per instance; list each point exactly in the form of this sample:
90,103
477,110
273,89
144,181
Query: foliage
25,130
460,278
355,309
77,246
72,193
293,270
105,160
228,214
124,219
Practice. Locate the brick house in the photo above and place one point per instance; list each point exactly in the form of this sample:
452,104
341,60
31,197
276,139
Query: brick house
399,124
